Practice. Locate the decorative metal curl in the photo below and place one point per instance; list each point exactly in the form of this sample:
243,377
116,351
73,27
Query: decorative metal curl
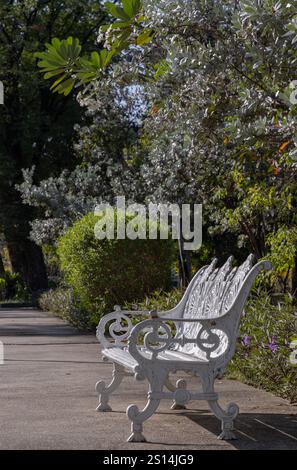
119,329
155,336
214,345
210,343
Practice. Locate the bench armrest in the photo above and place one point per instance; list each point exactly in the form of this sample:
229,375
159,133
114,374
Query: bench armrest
114,328
156,336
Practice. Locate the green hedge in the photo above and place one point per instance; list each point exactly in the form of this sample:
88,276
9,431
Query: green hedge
106,272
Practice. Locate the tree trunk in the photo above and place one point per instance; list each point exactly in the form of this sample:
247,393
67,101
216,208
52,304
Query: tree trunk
294,280
27,260
2,270
184,264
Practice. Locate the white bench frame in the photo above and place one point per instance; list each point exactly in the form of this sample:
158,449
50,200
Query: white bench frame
151,350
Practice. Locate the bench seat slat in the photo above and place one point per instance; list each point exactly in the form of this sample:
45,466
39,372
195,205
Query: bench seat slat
123,357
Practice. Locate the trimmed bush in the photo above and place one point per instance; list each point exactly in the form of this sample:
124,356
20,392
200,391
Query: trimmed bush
107,272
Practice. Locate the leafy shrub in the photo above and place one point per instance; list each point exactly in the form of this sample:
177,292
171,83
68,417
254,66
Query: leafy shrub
21,291
158,300
51,260
263,352
63,303
108,272
2,288
13,288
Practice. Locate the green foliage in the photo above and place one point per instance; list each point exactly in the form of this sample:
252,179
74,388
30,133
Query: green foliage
157,300
2,288
62,58
106,272
63,303
36,127
283,251
13,288
263,352
126,12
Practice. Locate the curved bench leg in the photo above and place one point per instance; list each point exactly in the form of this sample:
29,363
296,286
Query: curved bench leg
225,416
169,385
172,388
105,391
138,417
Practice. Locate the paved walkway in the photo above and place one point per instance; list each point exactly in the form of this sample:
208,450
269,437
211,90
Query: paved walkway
47,399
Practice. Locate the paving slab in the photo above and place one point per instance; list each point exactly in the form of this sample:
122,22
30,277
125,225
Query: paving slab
48,401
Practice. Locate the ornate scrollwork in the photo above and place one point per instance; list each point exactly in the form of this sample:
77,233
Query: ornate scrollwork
158,339
212,341
207,340
118,326
118,330
156,336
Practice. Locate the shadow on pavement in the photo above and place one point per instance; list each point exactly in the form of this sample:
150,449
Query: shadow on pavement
254,430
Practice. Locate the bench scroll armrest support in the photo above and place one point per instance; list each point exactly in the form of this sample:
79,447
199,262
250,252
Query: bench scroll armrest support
156,336
115,327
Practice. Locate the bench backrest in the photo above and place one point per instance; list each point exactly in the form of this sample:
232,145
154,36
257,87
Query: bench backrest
211,294
214,290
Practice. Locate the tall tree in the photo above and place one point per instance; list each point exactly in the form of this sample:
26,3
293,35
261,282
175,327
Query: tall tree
36,128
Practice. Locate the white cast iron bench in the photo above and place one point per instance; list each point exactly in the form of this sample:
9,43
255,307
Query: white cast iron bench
198,336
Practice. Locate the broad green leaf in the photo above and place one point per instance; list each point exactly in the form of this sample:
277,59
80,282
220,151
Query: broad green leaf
50,63
161,68
145,37
66,87
56,43
59,80
53,74
131,7
54,53
54,57
96,59
104,28
116,11
121,24
86,77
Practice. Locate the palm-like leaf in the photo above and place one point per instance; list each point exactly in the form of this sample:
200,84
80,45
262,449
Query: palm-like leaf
60,60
